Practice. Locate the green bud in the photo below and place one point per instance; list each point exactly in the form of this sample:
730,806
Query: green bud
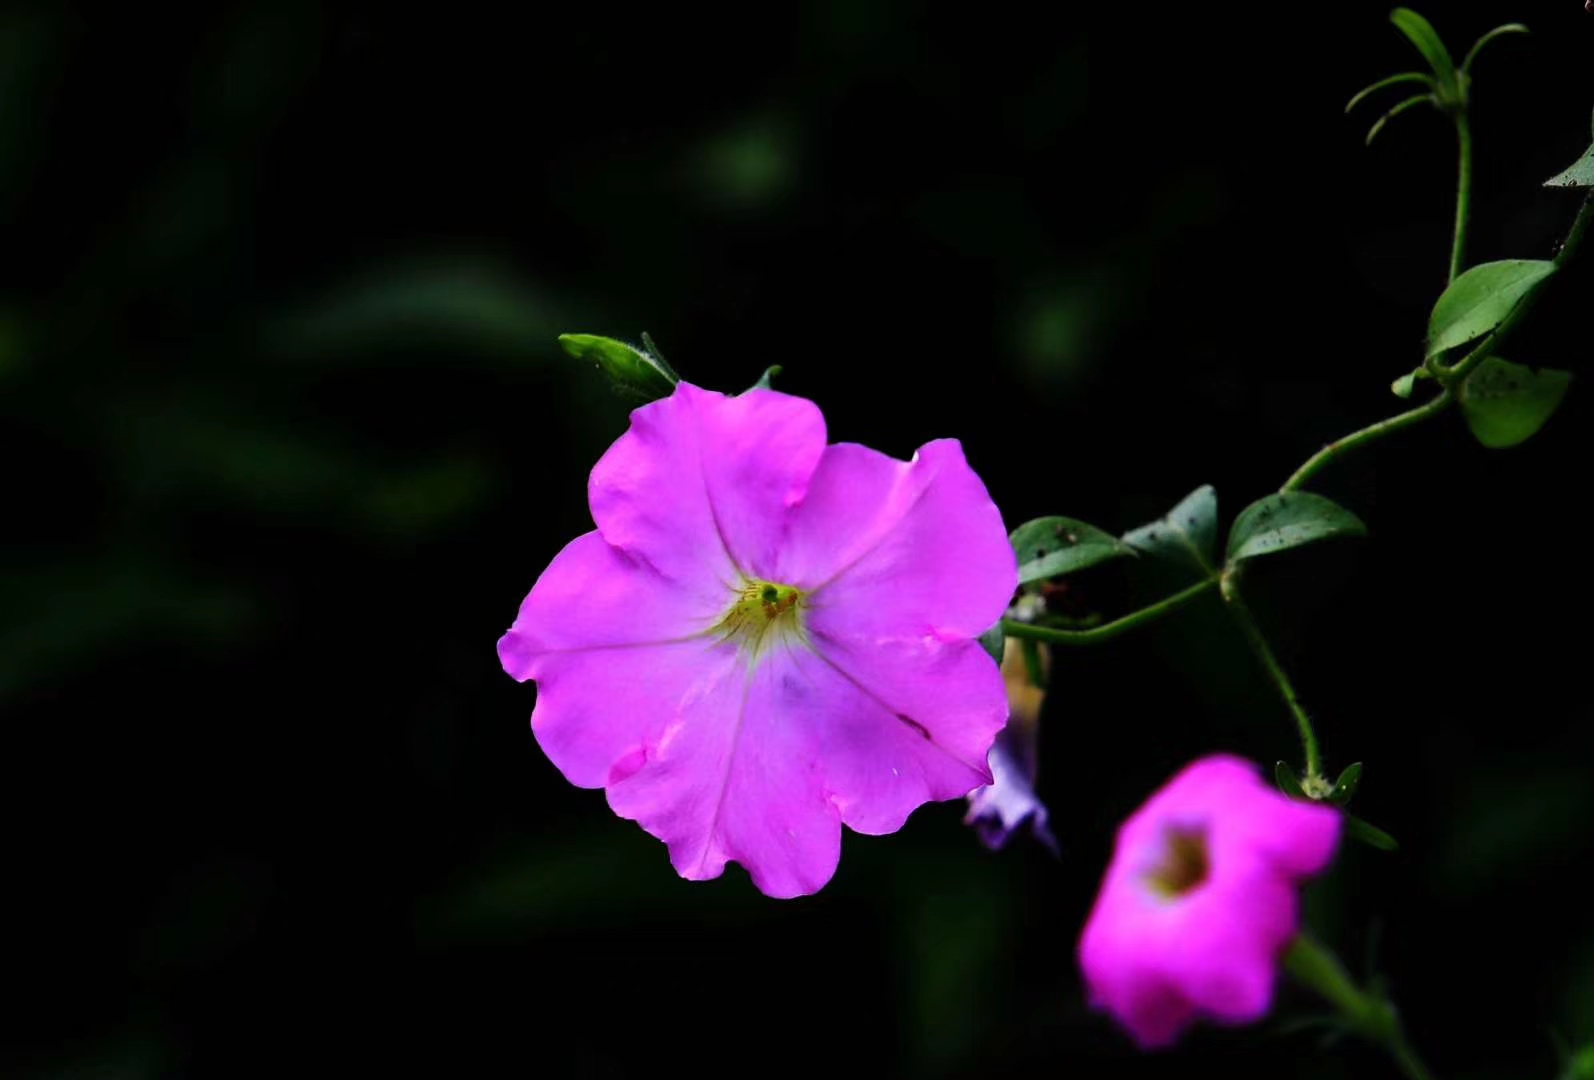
633,372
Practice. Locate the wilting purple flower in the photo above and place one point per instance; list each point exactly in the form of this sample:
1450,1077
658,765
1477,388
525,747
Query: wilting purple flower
1201,900
1008,802
767,637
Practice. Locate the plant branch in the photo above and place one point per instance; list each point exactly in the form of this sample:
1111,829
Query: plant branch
1030,632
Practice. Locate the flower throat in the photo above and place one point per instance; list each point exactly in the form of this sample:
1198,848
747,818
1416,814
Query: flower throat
762,615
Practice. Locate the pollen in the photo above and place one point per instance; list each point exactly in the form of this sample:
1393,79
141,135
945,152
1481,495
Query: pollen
762,615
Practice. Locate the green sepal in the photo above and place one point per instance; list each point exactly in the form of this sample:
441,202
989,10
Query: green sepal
1371,835
1345,786
765,380
633,372
1288,782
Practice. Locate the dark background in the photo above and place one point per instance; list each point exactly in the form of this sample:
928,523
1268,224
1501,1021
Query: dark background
286,438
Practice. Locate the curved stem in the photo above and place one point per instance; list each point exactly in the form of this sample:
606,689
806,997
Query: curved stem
1458,246
1030,632
1275,670
1364,436
1372,1016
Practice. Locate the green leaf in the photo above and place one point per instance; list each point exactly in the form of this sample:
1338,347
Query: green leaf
1050,546
1409,103
1288,520
1405,385
1506,403
1188,535
1393,80
631,371
1370,835
1345,786
1480,299
994,641
765,379
1498,31
1421,34
1580,174
1288,782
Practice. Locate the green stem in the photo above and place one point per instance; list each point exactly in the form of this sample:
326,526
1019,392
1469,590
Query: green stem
1315,967
1452,376
1275,671
1365,435
1458,246
1030,632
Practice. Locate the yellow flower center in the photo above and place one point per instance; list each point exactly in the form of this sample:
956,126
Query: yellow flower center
1183,863
762,615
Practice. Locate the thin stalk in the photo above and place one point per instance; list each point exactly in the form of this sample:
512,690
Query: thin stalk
1366,435
1458,246
1030,632
1373,1017
1275,670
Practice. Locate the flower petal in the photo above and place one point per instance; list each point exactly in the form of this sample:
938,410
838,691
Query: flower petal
733,776
699,486
876,763
1157,961
897,548
1000,808
599,710
595,596
949,689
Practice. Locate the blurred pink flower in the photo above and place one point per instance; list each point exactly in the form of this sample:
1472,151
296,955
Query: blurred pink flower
767,637
1200,900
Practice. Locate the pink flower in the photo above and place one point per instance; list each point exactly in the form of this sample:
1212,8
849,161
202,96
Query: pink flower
1200,900
767,637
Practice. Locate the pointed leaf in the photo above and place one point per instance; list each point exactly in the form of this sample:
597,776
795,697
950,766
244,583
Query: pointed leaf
1580,174
1405,385
631,371
1498,31
1409,103
1287,520
1288,782
1188,535
1393,80
1506,403
1345,786
1421,34
1370,835
765,379
1480,299
651,347
1050,546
